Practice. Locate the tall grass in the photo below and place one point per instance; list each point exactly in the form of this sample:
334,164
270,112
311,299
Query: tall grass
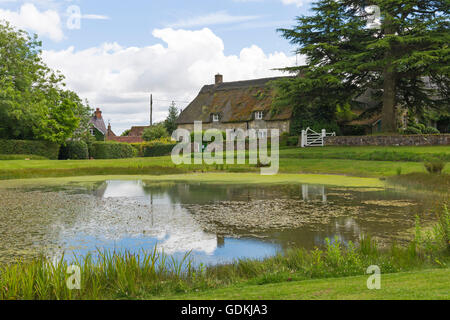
113,275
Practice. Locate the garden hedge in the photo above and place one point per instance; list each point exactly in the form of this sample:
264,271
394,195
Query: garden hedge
45,149
158,150
111,150
74,150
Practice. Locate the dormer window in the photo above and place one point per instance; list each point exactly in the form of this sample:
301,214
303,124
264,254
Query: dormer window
259,115
215,118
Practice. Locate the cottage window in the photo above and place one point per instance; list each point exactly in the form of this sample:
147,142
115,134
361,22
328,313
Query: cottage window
259,115
91,130
215,118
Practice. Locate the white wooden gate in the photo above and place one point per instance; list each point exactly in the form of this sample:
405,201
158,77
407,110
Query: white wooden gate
310,138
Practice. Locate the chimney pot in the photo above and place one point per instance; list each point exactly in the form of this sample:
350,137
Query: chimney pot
219,78
98,113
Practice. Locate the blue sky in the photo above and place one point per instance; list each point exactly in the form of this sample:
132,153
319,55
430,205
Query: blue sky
124,49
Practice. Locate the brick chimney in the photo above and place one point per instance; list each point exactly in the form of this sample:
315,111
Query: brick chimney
219,78
98,113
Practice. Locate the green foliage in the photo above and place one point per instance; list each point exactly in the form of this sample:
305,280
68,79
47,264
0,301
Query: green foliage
170,122
46,149
125,133
213,131
412,130
74,150
33,103
155,132
435,166
21,157
345,58
111,150
158,149
344,113
431,130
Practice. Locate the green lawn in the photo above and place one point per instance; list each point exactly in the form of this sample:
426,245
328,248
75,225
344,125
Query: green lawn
421,285
355,161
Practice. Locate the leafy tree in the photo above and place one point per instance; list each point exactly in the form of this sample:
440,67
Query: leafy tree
170,122
126,133
155,132
33,102
399,60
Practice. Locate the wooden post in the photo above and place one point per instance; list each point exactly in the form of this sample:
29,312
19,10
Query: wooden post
151,109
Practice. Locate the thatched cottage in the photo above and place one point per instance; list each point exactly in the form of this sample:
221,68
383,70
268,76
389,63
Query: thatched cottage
235,105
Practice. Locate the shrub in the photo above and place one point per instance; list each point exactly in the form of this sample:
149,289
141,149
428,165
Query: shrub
224,134
155,132
431,130
435,166
21,157
412,130
293,141
75,150
111,150
158,149
46,149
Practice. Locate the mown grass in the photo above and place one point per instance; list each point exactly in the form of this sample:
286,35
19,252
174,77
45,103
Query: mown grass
405,154
112,275
21,157
415,285
293,160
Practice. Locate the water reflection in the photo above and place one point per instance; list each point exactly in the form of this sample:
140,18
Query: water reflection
218,223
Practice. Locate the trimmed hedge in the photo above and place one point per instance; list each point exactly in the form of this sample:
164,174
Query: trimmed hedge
158,150
111,150
45,149
74,150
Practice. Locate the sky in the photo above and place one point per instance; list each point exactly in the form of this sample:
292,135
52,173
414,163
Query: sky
114,53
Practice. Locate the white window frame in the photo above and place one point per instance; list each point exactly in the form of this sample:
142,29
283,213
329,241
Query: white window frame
91,130
215,118
259,115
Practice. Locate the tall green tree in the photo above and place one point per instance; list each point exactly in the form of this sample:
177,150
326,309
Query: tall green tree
170,122
34,103
404,58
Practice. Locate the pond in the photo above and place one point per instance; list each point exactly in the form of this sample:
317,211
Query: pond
217,223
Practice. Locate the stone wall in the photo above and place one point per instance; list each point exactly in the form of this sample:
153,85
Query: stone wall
394,140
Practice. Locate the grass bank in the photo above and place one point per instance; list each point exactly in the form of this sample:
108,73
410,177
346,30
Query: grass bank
415,285
329,160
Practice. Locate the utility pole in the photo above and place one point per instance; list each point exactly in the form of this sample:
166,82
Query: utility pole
151,109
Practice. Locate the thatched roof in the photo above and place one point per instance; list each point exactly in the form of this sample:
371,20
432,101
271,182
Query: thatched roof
233,102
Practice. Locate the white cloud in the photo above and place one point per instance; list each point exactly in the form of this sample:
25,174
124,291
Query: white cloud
298,3
120,79
46,23
221,17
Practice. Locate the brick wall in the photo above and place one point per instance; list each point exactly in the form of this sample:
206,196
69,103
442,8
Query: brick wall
395,140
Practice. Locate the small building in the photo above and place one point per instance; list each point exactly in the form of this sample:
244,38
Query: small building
134,136
235,105
97,126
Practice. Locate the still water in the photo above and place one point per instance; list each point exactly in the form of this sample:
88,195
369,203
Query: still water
217,223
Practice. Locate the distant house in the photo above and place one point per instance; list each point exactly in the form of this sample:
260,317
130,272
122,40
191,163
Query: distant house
235,105
134,136
97,126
